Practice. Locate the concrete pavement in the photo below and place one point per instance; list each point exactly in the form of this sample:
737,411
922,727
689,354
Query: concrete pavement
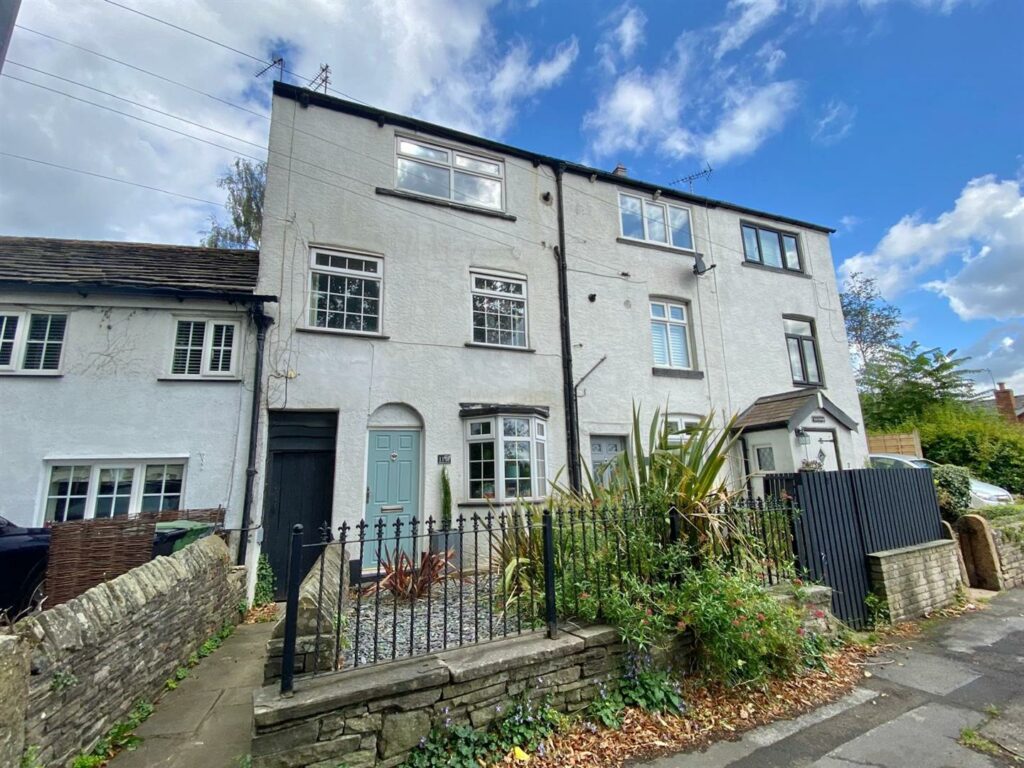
961,673
206,722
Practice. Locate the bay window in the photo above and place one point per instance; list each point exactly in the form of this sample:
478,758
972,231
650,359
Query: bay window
506,457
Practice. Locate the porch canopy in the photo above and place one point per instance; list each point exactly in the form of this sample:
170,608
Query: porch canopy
789,410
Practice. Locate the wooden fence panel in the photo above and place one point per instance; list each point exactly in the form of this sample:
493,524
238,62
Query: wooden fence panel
905,443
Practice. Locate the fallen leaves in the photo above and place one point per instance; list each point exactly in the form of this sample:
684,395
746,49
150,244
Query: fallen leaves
714,712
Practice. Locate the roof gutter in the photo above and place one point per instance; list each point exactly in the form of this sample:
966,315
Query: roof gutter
313,98
84,289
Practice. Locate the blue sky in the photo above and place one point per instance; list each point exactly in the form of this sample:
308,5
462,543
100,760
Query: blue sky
899,122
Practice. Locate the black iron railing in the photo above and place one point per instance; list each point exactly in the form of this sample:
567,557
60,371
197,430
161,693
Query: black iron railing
419,588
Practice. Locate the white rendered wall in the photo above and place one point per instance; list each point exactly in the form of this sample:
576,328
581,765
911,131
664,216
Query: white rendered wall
108,403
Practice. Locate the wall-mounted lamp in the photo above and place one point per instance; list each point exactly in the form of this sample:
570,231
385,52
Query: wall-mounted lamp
802,437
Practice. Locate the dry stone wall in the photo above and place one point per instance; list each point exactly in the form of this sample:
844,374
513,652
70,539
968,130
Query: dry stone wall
95,656
916,580
1011,555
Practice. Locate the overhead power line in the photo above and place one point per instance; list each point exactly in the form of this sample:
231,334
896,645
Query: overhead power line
261,59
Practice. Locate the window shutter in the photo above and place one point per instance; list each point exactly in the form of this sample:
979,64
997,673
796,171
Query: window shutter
45,341
222,347
8,332
188,348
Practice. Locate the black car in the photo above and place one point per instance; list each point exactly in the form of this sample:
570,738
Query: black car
23,556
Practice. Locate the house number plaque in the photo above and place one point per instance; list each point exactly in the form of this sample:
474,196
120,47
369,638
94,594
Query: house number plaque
444,458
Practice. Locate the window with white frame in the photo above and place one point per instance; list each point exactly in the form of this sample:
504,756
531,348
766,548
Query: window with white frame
31,341
104,489
765,458
655,222
499,310
679,426
205,348
345,291
449,174
670,334
507,457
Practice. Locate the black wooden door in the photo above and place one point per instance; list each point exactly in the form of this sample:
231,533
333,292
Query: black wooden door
299,485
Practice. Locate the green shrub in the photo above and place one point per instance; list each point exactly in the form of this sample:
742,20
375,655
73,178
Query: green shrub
953,488
743,634
446,500
264,594
983,442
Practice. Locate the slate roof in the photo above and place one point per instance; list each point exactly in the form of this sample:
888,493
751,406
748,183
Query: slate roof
90,265
787,409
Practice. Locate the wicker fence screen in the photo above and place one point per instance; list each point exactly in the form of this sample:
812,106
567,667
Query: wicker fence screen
84,553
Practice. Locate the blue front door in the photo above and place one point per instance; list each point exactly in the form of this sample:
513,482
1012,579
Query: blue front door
392,492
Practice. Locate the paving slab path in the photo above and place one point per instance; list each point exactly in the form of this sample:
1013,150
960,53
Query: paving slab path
960,673
206,722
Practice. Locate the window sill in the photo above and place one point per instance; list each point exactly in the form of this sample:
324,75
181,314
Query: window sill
777,270
656,246
481,503
33,374
807,385
677,373
342,332
445,203
499,347
202,379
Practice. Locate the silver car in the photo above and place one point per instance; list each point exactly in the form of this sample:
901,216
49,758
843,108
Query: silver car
982,494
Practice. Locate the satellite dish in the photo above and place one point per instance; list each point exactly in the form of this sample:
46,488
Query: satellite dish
700,267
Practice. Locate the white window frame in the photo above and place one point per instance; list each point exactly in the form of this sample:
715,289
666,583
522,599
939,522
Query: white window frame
20,346
539,476
525,299
685,324
377,277
757,457
207,352
138,466
452,153
678,423
645,204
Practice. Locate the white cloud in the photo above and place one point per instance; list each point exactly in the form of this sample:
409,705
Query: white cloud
745,18
752,116
622,38
681,109
440,59
814,9
979,244
771,57
1000,351
835,123
849,222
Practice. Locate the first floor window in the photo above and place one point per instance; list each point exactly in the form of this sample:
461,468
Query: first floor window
31,341
449,174
204,348
771,248
803,350
82,491
655,222
499,310
507,457
670,337
345,291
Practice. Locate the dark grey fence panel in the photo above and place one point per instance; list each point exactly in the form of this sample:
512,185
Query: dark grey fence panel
843,516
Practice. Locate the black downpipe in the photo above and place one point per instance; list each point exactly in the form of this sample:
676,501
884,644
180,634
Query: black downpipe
263,321
572,438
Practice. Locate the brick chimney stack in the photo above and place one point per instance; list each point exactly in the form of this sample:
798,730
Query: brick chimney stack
619,170
1005,404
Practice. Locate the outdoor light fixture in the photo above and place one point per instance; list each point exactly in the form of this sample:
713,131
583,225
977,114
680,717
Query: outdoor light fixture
802,437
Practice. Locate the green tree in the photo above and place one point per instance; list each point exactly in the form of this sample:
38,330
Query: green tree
900,384
872,324
244,182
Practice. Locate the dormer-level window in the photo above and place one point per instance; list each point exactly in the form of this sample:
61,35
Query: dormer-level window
205,348
655,222
771,248
32,341
449,174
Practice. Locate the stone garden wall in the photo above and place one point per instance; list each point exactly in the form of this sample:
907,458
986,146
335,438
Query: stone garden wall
374,716
1011,556
916,580
94,657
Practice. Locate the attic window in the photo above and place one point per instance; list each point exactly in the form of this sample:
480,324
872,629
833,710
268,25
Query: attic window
449,174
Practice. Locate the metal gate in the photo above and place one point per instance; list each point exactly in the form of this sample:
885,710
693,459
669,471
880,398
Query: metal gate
844,516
